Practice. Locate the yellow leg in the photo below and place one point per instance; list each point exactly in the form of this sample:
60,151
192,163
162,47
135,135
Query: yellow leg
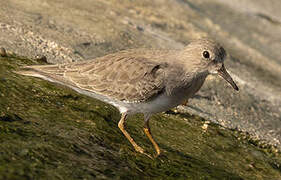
149,135
122,128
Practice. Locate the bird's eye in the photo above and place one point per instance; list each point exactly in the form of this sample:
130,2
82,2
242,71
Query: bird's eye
206,54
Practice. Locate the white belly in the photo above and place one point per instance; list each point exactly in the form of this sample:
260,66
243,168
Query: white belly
158,104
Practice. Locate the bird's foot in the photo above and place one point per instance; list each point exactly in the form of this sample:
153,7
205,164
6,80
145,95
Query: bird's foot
141,150
138,149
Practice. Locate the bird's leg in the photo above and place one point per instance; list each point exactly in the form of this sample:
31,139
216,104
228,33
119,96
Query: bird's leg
149,135
122,128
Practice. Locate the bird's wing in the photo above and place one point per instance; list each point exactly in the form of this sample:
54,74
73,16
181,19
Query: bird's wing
120,77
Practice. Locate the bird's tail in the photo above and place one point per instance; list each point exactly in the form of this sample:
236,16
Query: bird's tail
27,71
35,71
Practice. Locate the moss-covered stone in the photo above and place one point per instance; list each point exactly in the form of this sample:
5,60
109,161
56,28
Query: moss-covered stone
48,131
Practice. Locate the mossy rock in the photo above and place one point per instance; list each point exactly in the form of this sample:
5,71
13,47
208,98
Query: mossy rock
48,131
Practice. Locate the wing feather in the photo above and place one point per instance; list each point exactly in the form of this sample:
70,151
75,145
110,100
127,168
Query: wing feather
123,78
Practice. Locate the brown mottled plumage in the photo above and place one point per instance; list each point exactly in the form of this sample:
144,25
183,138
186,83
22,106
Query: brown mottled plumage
141,81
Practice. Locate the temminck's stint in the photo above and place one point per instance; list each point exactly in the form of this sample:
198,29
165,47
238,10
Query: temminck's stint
141,81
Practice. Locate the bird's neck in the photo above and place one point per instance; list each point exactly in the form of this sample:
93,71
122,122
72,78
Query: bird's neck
194,75
185,81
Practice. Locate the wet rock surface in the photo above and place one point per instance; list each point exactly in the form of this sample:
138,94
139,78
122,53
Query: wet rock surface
51,132
250,31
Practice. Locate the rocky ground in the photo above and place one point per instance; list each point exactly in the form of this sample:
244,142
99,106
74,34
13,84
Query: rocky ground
51,132
66,31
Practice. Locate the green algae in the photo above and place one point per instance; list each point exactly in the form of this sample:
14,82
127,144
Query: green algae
48,131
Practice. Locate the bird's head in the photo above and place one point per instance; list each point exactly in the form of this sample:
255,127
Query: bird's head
205,55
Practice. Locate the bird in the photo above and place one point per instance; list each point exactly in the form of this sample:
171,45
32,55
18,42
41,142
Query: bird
145,81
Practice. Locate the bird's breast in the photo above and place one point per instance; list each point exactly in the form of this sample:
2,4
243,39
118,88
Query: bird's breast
166,101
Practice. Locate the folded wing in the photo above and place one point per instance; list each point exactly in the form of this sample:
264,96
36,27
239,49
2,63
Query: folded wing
120,77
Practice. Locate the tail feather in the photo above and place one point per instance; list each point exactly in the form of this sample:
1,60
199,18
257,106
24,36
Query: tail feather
31,71
27,71
49,73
